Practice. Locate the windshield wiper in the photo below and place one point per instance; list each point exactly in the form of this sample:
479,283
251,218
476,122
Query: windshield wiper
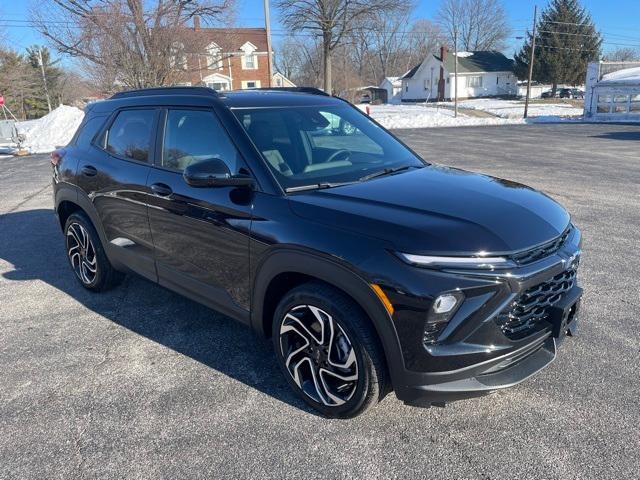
315,186
387,171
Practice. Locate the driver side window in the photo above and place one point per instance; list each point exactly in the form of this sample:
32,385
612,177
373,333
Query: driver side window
192,136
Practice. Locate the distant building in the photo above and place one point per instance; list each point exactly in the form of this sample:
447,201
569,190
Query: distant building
480,74
230,59
612,91
393,86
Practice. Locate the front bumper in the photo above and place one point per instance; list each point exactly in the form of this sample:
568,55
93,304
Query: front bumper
474,356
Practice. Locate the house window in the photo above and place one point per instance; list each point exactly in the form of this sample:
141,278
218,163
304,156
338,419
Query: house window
218,86
250,61
426,84
474,82
214,56
251,84
278,82
406,87
634,105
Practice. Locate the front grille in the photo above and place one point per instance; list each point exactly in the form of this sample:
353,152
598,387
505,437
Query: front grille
541,251
525,313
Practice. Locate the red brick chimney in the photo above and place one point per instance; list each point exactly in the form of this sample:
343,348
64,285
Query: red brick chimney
443,56
196,22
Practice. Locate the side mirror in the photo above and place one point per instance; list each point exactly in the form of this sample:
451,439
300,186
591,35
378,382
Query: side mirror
213,172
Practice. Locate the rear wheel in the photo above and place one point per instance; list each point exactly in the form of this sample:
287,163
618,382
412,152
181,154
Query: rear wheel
328,351
86,255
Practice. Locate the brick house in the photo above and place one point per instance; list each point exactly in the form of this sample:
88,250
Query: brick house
227,59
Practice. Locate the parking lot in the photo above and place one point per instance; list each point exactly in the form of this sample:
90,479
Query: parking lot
141,383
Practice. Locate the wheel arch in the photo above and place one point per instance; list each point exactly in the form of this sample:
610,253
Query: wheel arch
286,269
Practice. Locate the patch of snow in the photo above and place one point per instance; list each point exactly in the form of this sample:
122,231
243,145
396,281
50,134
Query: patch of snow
463,54
422,116
436,115
515,108
54,129
627,75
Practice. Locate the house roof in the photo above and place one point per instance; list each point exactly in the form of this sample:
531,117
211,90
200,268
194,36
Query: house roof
411,72
231,39
478,61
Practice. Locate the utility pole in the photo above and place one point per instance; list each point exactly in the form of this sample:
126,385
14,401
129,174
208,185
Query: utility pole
455,71
267,22
44,78
533,55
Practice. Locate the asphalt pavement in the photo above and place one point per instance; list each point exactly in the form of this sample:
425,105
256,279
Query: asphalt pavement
142,383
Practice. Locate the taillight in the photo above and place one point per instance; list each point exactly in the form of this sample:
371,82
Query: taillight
56,156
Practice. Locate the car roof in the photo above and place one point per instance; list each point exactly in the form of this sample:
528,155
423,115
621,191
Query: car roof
258,98
203,96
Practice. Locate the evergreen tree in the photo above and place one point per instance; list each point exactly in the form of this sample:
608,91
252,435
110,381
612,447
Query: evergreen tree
38,102
566,41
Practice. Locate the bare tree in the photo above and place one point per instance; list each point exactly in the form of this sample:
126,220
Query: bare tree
625,54
479,24
133,43
330,20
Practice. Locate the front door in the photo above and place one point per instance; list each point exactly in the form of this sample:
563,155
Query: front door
113,173
201,235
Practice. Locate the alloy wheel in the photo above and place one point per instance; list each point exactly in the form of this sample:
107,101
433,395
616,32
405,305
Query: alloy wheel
318,355
82,253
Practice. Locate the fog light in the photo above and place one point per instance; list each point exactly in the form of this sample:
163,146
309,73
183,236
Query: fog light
445,303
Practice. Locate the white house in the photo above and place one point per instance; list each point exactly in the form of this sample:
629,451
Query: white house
612,91
393,86
480,74
279,80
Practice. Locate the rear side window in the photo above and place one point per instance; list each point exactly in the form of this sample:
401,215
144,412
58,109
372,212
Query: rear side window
88,131
130,134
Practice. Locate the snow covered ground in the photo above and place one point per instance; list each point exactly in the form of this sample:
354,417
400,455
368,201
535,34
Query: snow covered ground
419,116
53,130
515,108
441,115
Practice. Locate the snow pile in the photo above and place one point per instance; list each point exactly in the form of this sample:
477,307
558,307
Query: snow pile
421,116
463,54
515,108
53,130
627,75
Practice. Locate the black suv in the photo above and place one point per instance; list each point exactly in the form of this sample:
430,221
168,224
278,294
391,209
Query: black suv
295,213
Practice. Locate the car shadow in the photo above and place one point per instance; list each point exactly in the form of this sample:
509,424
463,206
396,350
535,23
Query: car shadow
630,135
145,308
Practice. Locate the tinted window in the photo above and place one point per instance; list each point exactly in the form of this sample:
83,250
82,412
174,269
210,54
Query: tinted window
88,131
130,134
192,136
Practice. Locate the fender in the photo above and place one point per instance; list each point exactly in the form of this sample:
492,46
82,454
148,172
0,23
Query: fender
290,260
75,195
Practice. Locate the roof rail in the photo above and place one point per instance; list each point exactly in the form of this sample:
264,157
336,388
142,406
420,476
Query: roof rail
144,92
310,90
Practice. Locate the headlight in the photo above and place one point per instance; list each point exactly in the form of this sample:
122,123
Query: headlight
476,262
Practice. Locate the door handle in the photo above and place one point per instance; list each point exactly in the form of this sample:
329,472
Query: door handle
161,189
89,171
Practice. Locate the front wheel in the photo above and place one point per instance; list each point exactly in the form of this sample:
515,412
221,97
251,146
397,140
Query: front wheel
329,351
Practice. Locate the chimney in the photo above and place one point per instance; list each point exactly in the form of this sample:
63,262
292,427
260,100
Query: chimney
443,53
196,22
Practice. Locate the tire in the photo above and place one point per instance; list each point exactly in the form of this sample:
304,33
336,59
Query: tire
86,255
339,370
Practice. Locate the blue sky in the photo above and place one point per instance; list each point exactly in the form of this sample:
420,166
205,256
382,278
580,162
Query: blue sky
618,20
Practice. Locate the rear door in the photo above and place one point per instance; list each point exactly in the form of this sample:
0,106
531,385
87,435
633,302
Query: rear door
201,235
114,177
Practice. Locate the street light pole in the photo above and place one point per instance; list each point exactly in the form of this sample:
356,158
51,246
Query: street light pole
267,22
532,57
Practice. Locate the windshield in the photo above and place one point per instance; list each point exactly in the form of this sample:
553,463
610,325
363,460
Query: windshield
319,146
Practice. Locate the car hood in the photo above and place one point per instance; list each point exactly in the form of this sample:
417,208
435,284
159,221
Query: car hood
439,210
